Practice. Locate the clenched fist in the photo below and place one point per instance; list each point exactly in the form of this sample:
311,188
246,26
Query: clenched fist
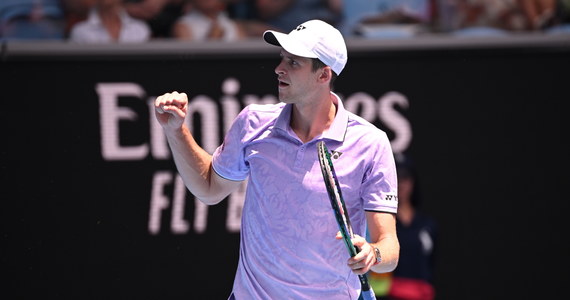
171,110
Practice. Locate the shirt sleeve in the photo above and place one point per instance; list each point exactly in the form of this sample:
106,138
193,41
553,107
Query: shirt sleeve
228,159
380,186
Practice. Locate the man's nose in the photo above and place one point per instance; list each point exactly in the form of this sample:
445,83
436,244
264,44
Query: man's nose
279,70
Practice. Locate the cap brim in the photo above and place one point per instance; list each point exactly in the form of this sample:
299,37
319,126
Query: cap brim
288,43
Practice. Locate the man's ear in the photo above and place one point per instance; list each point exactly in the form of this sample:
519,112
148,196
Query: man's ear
325,73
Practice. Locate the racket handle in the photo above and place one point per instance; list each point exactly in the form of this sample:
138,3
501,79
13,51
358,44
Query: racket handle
363,279
364,282
367,295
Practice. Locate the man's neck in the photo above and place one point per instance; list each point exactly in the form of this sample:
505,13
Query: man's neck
311,120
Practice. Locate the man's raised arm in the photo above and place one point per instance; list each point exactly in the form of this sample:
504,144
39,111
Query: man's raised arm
194,164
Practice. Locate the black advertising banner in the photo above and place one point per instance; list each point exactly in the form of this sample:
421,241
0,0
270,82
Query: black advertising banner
93,207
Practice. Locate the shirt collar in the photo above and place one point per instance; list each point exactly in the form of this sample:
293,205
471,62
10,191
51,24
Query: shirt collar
335,132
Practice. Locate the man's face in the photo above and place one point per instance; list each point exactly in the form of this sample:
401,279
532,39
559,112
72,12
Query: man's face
296,77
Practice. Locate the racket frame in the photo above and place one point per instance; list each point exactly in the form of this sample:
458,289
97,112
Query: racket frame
338,205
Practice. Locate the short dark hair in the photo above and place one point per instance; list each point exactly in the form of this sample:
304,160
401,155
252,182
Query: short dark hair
318,64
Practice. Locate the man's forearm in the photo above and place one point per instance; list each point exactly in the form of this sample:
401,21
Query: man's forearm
390,252
194,165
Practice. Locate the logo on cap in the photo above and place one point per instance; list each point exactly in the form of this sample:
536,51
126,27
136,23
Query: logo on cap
300,27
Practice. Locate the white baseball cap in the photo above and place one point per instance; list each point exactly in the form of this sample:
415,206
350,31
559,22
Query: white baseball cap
313,39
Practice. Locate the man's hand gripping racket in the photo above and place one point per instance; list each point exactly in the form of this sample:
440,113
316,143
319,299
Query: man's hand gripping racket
340,212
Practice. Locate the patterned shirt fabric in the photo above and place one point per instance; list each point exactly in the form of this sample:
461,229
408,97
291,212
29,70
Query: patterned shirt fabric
288,246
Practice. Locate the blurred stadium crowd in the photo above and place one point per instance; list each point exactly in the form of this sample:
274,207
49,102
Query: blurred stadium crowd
123,21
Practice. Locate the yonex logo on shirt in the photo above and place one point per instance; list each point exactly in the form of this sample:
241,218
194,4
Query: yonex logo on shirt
335,154
391,198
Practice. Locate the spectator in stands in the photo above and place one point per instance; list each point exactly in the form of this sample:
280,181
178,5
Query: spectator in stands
388,18
538,13
108,22
245,13
207,20
75,12
160,15
413,278
285,15
488,16
32,19
561,22
500,17
550,16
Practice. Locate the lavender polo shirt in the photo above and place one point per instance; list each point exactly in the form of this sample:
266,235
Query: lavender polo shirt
288,248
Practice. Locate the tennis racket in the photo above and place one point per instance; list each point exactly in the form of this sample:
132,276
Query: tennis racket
340,212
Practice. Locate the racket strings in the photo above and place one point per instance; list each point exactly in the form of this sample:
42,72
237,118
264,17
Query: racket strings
336,188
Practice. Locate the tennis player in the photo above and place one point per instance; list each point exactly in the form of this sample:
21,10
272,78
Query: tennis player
290,247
